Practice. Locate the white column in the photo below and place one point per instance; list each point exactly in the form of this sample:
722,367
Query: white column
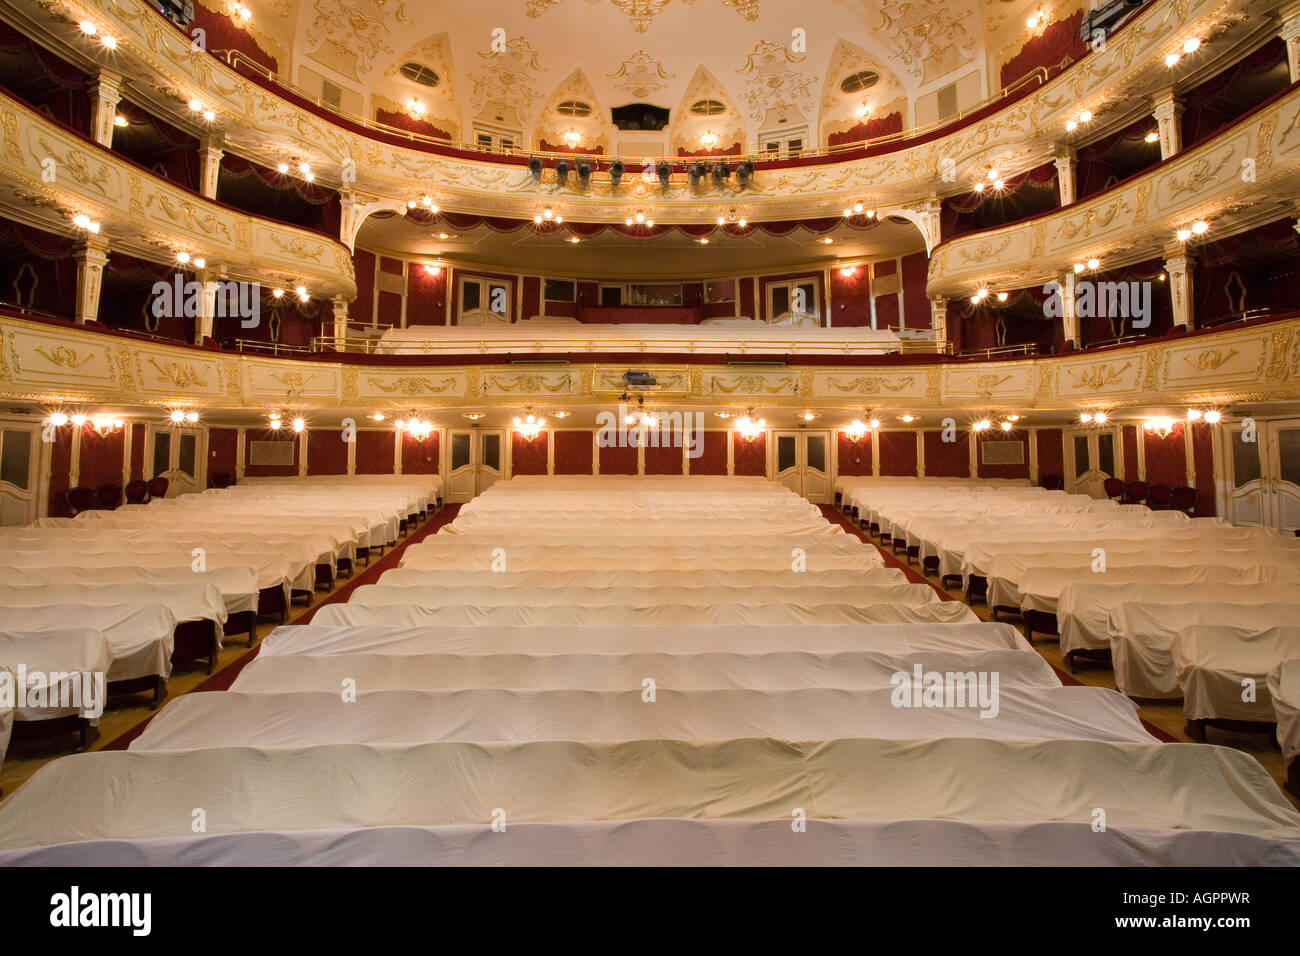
1290,33
90,278
939,321
1168,112
1069,315
105,94
340,324
1067,163
205,320
210,153
1179,270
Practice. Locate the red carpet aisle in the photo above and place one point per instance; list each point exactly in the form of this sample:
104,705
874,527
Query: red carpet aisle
226,676
835,517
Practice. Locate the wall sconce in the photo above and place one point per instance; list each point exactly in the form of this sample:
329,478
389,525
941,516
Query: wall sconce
1160,426
749,427
419,429
530,426
848,272
104,425
856,430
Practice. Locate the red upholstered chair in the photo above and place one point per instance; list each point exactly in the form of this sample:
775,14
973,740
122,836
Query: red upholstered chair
137,492
1186,499
222,479
1137,492
1114,488
1160,497
1051,482
81,499
109,495
158,487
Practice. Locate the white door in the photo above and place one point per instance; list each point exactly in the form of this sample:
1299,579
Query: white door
174,454
1265,474
1091,460
803,463
20,446
483,301
475,462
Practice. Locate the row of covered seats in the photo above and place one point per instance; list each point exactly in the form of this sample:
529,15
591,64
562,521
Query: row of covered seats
1181,608
1159,495
122,595
683,670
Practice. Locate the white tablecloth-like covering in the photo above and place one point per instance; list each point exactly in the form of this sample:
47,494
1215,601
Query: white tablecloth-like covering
1083,610
778,670
272,569
462,615
1213,665
77,653
1284,688
687,843
759,579
314,638
238,586
1142,638
1041,588
233,719
129,795
139,636
191,601
804,595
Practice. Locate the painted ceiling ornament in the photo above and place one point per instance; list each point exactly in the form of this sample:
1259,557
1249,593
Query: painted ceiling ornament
929,38
507,77
356,26
773,83
746,8
641,12
641,75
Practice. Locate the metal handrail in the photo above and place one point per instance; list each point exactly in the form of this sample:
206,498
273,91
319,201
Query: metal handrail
274,348
236,58
998,351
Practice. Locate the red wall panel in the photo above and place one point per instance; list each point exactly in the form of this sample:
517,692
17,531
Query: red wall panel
916,305
1000,471
361,309
1051,452
897,453
1130,444
573,453
60,467
528,457
327,452
1203,463
420,457
854,456
749,457
851,305
390,265
663,461
101,458
945,459
748,306
138,436
223,450
390,309
426,296
618,461
1166,458
713,461
375,452
531,303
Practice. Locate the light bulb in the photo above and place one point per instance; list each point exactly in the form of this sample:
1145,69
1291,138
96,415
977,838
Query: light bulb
177,415
1213,417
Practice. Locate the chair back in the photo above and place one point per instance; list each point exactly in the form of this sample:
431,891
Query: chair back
222,479
1160,496
1186,499
1114,488
158,487
137,492
1137,492
81,499
109,495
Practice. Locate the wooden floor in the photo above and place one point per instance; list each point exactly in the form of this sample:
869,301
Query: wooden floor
26,757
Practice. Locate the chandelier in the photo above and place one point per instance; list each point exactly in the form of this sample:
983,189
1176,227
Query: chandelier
749,427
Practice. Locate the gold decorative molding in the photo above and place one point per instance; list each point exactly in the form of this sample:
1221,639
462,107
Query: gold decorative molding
1099,376
62,356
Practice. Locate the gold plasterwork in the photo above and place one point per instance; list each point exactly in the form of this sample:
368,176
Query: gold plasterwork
1099,376
63,356
179,375
411,385
1210,360
867,384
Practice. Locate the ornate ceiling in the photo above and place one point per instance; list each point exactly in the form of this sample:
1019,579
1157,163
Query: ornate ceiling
771,64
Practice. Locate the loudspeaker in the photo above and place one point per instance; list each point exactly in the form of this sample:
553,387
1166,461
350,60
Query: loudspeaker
562,170
616,172
584,174
720,173
697,173
665,173
535,166
743,172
